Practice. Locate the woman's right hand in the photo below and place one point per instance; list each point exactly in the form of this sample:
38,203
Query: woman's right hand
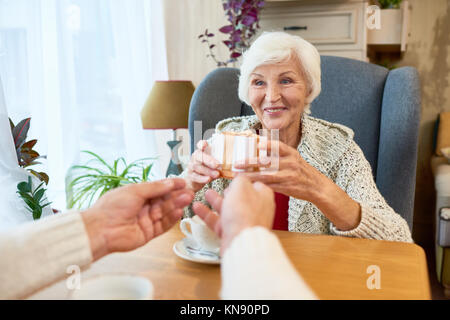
202,168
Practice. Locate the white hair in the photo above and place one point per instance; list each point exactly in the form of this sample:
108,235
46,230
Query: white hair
274,47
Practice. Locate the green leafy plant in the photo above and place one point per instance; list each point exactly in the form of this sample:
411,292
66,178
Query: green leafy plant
387,64
26,156
33,198
90,181
389,4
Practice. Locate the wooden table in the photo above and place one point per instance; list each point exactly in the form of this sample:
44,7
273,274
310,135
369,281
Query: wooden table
334,267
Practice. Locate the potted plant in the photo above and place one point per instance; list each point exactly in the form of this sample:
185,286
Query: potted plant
87,182
33,197
391,24
26,155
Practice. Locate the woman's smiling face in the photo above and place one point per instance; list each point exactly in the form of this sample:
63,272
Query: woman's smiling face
277,94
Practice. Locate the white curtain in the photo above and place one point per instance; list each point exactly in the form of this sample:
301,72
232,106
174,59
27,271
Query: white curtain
82,70
12,208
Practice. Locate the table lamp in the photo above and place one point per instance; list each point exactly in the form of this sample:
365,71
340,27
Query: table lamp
167,107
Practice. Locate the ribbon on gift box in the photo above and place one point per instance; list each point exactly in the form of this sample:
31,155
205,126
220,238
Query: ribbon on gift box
229,148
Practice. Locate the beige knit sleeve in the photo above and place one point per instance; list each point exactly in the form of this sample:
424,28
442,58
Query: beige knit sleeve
378,219
37,254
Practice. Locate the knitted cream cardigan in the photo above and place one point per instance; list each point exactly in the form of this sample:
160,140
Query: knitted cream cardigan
330,148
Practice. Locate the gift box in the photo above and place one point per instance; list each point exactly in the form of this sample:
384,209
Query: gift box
230,148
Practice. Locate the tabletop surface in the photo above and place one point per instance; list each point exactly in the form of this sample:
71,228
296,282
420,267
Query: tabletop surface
334,267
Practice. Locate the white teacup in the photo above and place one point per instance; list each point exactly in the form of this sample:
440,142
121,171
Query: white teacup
201,234
114,287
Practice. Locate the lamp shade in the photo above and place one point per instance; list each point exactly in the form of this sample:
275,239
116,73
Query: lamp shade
167,106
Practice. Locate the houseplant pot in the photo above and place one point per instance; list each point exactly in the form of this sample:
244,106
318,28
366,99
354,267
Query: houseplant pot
390,32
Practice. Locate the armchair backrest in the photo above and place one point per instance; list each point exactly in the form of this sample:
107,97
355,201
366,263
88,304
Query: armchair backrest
381,106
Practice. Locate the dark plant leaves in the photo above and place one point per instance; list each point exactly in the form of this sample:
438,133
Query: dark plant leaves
29,145
32,198
235,55
40,175
248,20
23,187
228,43
20,132
44,205
37,212
226,29
26,156
38,195
243,18
236,37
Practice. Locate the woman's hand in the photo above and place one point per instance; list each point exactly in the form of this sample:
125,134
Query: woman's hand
202,168
291,175
128,217
287,171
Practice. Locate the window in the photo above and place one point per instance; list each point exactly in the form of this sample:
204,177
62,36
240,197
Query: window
82,70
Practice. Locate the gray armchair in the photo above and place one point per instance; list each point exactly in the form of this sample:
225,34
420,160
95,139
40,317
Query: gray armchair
381,106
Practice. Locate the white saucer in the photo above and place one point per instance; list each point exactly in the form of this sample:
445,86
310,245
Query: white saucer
180,250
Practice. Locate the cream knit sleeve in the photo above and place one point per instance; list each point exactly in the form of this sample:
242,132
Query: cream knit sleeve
37,254
255,266
378,219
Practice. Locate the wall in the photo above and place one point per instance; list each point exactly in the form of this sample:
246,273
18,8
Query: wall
185,21
429,51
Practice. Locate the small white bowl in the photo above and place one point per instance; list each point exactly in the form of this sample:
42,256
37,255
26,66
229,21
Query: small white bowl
114,287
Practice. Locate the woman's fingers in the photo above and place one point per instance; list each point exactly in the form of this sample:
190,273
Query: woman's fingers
266,178
205,159
274,148
204,171
202,144
195,177
203,167
251,163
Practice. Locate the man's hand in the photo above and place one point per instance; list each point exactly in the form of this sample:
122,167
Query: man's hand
128,217
245,205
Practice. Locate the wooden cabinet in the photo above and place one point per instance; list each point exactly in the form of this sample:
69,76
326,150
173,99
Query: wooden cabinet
335,27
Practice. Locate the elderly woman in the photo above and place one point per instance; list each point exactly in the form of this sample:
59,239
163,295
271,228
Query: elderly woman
324,184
